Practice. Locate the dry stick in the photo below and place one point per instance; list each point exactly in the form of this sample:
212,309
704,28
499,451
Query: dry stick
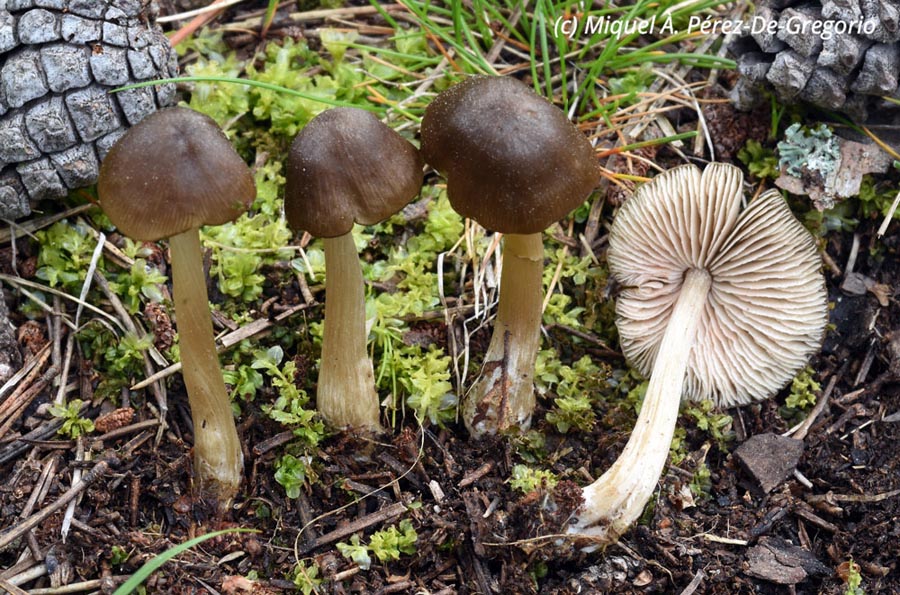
80,457
381,516
22,401
30,372
800,430
90,585
33,225
245,332
33,521
41,487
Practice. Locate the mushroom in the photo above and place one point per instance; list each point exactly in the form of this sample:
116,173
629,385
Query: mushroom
515,164
718,303
347,167
167,176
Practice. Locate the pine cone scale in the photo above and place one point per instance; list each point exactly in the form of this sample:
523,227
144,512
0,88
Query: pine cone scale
58,61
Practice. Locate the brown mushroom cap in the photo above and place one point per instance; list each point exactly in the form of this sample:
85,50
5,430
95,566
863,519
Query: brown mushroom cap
347,167
767,306
513,161
174,171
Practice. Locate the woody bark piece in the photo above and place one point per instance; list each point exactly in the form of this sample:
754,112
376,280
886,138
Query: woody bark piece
769,458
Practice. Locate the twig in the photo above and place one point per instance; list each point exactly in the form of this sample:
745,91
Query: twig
33,225
800,430
865,498
380,516
33,521
90,585
245,332
18,403
695,583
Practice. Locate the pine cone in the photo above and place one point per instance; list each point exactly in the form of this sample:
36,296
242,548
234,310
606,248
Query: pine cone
58,60
848,70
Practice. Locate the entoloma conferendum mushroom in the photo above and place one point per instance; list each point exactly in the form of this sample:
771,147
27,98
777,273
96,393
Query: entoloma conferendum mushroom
717,303
347,167
172,173
515,164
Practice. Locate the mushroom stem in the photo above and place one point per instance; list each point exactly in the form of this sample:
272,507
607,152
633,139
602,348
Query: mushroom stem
217,450
613,502
503,396
346,394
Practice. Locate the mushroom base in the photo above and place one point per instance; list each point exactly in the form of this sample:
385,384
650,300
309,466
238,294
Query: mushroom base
218,458
616,500
346,394
502,399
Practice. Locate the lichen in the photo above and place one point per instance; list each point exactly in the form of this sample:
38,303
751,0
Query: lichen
813,150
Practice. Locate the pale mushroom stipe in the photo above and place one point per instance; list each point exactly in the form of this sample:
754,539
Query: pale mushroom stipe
515,164
165,178
717,303
347,167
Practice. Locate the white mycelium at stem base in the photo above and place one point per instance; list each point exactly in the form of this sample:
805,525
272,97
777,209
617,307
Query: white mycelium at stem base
717,304
345,369
218,458
503,397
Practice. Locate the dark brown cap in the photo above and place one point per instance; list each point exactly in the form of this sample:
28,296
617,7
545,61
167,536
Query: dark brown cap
174,171
347,167
513,161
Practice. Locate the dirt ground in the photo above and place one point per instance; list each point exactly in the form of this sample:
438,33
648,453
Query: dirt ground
476,534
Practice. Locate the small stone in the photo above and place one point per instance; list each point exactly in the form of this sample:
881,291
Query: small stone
769,458
779,561
66,66
92,112
50,127
38,26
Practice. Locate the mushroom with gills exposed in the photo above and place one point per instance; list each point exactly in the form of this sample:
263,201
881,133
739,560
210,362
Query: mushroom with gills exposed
717,303
515,164
165,178
347,167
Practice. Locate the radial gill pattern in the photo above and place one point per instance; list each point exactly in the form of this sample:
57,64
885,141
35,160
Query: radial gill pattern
766,310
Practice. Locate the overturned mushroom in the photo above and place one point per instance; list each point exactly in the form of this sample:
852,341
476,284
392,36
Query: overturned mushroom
347,167
515,164
718,304
165,178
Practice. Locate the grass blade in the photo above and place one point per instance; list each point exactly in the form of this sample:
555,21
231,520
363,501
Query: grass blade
154,564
